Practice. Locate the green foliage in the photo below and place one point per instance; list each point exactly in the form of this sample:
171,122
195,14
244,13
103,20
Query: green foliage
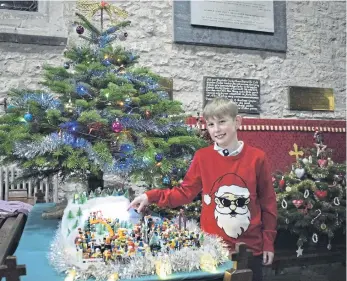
169,107
103,150
87,117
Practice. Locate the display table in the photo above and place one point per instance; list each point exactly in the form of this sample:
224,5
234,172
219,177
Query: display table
35,243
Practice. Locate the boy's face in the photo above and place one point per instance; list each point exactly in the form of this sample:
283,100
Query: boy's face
223,131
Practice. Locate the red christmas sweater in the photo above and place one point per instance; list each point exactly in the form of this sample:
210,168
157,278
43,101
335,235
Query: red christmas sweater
239,202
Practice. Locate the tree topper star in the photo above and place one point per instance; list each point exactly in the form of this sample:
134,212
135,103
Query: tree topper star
320,148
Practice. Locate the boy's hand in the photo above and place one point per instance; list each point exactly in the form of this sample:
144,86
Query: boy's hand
268,257
139,202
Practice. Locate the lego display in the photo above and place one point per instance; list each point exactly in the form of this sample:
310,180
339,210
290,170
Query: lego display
99,238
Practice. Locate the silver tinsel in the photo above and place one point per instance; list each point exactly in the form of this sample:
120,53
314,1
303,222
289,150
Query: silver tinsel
45,100
184,260
149,126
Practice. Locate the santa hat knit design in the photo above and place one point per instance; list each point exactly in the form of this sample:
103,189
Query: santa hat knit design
223,183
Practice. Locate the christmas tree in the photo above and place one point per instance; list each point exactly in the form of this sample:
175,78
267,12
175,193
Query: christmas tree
312,196
99,113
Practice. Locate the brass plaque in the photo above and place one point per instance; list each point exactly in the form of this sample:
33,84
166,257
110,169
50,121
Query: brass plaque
312,99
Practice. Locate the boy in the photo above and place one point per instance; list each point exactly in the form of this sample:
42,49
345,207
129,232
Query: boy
239,202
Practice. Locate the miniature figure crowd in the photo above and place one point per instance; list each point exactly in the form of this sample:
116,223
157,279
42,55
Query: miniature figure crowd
105,240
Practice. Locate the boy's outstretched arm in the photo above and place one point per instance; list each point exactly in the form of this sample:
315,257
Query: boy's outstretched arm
268,205
178,195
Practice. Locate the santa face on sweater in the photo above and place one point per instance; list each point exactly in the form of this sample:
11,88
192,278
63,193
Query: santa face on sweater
231,211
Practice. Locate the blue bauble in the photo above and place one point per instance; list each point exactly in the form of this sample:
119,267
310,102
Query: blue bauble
126,148
66,65
174,170
166,180
81,90
158,157
106,62
28,117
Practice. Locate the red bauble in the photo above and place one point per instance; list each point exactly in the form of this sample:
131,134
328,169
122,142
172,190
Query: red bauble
298,203
282,184
322,163
147,114
321,194
80,29
117,127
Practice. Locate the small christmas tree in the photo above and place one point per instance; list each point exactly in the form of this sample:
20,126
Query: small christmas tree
312,196
70,215
82,198
75,225
79,212
91,195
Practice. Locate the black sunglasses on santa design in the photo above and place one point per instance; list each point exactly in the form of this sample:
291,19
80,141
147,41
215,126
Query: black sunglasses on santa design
239,202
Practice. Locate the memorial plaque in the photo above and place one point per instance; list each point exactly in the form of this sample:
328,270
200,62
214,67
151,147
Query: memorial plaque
312,99
242,15
244,92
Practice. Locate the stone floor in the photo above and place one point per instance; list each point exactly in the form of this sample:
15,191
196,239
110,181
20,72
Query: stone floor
327,272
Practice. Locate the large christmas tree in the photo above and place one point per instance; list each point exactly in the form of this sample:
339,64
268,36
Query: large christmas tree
312,196
99,113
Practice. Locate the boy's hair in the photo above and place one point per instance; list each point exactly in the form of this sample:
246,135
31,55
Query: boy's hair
219,108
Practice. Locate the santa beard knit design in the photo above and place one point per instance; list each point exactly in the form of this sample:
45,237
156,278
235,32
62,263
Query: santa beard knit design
231,197
233,226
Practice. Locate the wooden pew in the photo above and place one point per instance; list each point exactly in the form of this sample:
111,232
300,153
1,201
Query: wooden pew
241,259
11,229
10,270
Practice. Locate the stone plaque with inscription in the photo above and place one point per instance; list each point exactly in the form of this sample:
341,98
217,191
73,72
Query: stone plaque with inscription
244,92
311,99
242,15
249,36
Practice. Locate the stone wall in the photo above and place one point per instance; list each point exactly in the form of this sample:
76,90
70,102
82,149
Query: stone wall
316,57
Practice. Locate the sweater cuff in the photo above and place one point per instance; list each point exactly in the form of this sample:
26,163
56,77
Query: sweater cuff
153,196
269,240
